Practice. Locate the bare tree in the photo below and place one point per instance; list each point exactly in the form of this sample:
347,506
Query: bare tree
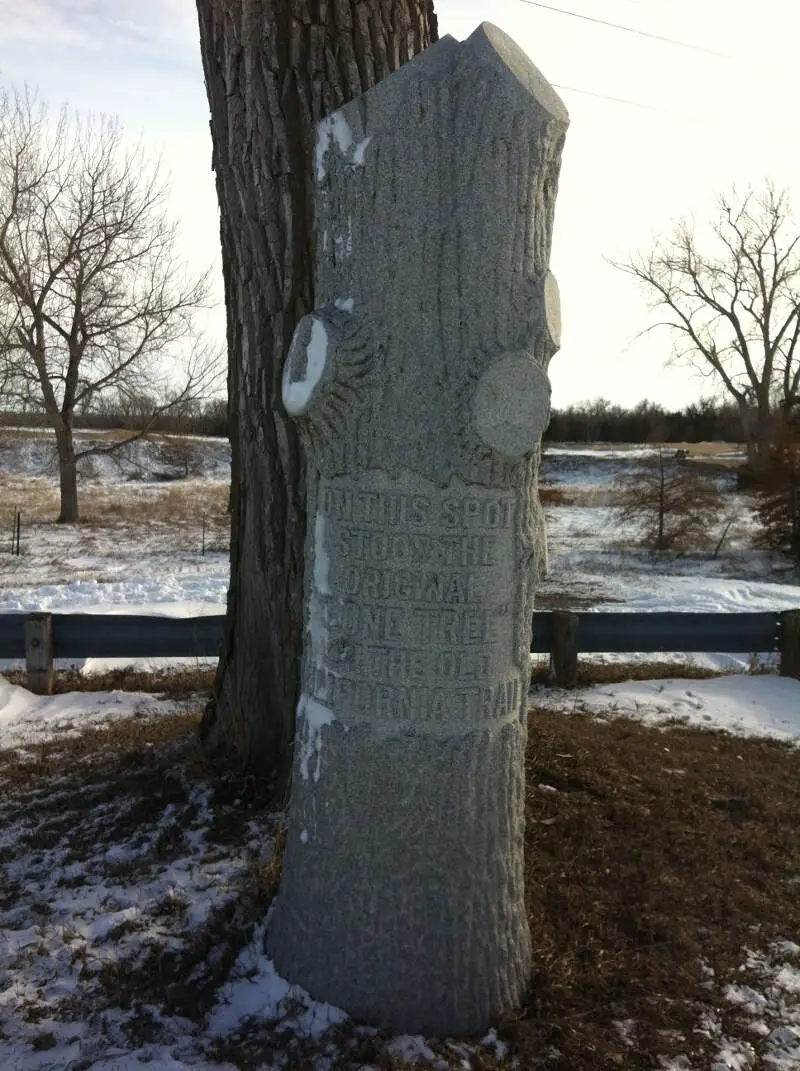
735,309
273,69
674,506
93,300
778,494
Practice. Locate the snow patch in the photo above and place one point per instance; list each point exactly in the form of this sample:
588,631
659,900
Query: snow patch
257,991
344,242
321,560
492,1041
760,705
336,130
297,394
26,718
359,152
312,717
410,1048
333,128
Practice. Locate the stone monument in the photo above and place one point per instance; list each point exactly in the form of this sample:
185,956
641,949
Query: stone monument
420,389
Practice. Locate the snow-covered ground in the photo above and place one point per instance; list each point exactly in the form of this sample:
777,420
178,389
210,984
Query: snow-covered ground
58,913
595,562
85,916
119,564
760,705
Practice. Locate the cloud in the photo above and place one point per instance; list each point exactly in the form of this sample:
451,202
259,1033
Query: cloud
143,29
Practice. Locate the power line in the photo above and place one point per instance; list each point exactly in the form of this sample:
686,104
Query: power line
703,120
628,29
625,100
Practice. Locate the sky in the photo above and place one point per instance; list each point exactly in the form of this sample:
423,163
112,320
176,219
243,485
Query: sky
686,125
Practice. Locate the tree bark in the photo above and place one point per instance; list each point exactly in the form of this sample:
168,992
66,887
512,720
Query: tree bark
67,476
273,69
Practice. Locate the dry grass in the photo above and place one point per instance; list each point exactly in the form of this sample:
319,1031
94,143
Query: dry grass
619,672
659,850
583,497
176,504
102,505
177,682
650,854
36,497
553,496
122,743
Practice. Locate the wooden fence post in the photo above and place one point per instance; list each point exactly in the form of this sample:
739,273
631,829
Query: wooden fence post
39,653
790,644
564,650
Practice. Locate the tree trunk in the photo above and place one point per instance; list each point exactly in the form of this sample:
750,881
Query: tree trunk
765,432
67,475
661,503
758,426
273,69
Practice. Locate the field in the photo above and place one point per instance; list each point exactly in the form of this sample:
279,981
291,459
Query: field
663,812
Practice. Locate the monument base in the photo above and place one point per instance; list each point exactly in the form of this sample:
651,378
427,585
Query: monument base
438,941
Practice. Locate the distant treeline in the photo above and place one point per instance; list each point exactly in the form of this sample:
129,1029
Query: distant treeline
596,421
600,421
207,418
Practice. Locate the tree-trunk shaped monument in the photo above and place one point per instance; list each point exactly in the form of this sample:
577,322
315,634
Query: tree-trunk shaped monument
420,388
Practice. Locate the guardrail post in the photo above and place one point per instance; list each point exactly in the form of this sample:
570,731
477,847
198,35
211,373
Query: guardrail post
39,653
790,644
564,650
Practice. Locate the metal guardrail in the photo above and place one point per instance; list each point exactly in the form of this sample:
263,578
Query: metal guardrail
40,638
118,636
615,632
136,636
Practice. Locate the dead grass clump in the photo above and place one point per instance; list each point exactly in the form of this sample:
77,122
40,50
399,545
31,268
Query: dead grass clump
618,672
179,682
35,496
552,496
657,852
583,497
178,504
127,742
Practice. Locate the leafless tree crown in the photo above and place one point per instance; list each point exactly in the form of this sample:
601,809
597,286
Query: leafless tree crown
734,308
94,302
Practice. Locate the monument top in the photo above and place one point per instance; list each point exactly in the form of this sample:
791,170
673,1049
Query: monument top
434,210
488,48
489,44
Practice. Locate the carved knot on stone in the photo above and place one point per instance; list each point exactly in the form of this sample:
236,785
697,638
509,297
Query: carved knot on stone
329,367
511,405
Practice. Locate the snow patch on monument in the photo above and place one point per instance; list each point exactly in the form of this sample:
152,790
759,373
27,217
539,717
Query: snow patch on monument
359,153
297,394
333,128
336,130
312,717
322,562
343,243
